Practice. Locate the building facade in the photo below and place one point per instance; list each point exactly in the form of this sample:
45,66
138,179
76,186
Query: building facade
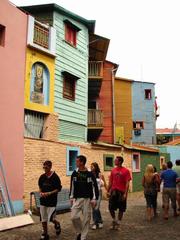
12,68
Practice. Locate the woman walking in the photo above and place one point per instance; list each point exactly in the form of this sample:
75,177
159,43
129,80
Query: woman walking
97,219
150,184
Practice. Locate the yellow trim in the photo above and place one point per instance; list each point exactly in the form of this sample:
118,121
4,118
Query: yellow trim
33,56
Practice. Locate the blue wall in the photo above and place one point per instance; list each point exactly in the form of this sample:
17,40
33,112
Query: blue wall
174,152
143,110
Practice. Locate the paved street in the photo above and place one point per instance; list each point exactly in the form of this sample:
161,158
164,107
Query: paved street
133,227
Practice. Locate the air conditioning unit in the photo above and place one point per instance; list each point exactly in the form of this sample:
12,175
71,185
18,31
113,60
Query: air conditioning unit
137,132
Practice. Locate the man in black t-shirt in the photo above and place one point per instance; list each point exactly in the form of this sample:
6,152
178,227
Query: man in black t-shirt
83,194
49,186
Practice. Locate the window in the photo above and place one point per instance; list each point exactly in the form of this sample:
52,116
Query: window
148,94
138,125
33,124
136,162
108,161
69,85
2,35
162,161
71,154
71,32
39,91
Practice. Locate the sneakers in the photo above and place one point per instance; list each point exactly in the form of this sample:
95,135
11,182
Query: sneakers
57,228
94,227
44,236
100,225
114,225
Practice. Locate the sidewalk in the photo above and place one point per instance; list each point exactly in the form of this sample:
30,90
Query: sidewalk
134,225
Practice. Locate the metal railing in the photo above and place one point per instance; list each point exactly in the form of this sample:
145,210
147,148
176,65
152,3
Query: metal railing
95,118
95,69
41,35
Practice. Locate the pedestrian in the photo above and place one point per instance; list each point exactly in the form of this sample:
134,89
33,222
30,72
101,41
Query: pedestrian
157,177
176,168
150,183
83,194
118,190
169,189
101,182
49,186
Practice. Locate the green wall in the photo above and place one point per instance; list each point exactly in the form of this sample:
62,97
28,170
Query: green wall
75,61
146,158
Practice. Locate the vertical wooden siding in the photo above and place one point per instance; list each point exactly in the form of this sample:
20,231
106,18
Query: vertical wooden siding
123,107
75,61
143,110
106,104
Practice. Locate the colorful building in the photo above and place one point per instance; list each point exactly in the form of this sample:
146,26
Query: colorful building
143,113
12,62
71,68
123,110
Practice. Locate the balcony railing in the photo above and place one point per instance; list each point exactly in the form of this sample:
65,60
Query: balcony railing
41,35
95,118
95,69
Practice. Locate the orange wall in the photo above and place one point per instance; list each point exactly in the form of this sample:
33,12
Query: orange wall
106,104
12,69
123,107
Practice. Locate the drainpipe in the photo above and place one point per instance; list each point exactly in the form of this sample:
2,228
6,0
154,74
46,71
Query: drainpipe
113,105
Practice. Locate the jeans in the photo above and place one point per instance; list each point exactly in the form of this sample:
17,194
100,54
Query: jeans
96,211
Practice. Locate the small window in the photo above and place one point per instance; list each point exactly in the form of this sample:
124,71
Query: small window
108,161
2,35
71,32
69,85
33,124
148,94
138,125
136,162
71,155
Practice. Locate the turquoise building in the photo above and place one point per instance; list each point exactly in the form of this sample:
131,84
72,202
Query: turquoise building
71,68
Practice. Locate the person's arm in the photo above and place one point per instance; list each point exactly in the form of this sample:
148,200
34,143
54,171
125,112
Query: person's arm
71,194
105,184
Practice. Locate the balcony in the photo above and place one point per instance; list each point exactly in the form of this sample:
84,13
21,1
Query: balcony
95,78
95,119
41,36
157,112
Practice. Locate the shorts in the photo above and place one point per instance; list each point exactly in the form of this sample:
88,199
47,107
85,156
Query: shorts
47,214
167,195
116,201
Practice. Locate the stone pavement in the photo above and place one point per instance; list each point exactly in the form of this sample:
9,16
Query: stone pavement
134,225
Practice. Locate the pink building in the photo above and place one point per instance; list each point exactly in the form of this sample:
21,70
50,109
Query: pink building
13,27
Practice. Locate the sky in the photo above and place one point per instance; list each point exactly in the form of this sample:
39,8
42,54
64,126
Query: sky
144,40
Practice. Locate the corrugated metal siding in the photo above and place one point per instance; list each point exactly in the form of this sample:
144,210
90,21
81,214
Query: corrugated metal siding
143,110
75,61
69,131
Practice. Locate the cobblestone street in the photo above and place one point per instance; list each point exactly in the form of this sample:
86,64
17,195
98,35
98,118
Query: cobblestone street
133,227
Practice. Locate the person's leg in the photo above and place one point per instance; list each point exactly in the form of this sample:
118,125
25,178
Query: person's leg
165,197
86,218
172,195
75,215
44,220
154,204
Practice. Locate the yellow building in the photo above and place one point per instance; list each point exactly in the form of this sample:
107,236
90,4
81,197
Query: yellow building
123,110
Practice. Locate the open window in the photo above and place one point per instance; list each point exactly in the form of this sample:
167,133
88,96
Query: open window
108,161
71,155
147,94
138,124
136,162
2,35
69,85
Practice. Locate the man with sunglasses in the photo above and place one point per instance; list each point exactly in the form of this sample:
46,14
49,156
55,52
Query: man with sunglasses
49,186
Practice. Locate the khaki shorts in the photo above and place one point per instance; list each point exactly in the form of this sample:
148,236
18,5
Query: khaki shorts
169,194
47,214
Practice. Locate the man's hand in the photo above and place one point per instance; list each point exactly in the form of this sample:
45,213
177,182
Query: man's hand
93,203
45,194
